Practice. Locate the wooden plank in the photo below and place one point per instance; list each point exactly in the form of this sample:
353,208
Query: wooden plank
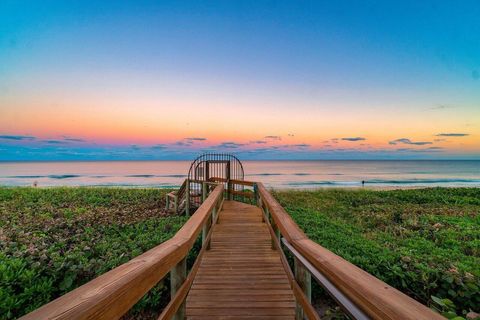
240,277
257,317
240,311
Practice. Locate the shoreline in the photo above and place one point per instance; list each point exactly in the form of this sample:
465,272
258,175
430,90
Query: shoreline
353,188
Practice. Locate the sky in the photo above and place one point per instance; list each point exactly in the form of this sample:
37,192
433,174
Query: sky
143,80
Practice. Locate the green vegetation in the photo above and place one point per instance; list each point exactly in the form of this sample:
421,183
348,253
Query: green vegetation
54,240
424,242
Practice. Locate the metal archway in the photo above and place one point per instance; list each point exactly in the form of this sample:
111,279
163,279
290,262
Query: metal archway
214,167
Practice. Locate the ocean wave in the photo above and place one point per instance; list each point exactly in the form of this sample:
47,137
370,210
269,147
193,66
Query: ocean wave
156,176
63,176
24,177
385,182
140,176
323,183
421,181
51,176
174,176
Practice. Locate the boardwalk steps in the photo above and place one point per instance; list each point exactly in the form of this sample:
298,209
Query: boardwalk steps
240,272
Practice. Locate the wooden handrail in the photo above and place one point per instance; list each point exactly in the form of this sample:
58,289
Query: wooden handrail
112,294
297,291
175,302
376,298
242,182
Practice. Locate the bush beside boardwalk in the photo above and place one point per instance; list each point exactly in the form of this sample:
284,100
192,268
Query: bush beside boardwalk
54,240
425,242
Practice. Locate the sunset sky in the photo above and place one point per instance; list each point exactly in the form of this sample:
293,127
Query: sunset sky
106,80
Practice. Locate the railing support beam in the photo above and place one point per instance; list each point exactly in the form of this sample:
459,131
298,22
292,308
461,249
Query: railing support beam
178,274
204,191
187,198
276,231
175,204
206,228
304,280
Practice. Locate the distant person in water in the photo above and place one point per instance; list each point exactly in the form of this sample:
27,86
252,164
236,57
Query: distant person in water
363,183
35,184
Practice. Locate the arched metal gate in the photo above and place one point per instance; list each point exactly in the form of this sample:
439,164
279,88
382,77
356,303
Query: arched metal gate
206,172
214,168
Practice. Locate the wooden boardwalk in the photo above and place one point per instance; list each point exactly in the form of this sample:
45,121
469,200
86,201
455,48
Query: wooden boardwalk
241,276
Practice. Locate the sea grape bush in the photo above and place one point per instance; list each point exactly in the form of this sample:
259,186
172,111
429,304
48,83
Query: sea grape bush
424,242
54,240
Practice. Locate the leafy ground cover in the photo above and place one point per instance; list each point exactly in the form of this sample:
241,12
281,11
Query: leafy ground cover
424,242
54,240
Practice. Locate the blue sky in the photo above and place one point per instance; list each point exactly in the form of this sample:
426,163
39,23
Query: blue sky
145,73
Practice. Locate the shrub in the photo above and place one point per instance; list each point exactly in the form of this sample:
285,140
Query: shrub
423,242
54,240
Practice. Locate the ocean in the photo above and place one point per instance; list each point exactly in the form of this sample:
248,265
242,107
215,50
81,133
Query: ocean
276,174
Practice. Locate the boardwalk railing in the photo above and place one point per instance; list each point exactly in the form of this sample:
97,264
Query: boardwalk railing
112,294
359,293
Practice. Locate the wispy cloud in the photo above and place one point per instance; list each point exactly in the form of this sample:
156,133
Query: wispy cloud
54,141
273,137
354,139
183,143
258,142
452,135
70,139
429,149
230,145
196,139
16,137
189,141
158,147
408,141
299,145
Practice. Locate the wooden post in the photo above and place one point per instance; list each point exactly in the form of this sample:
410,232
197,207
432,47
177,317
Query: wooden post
178,274
277,233
187,198
204,191
230,194
205,229
167,203
304,280
215,214
175,205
